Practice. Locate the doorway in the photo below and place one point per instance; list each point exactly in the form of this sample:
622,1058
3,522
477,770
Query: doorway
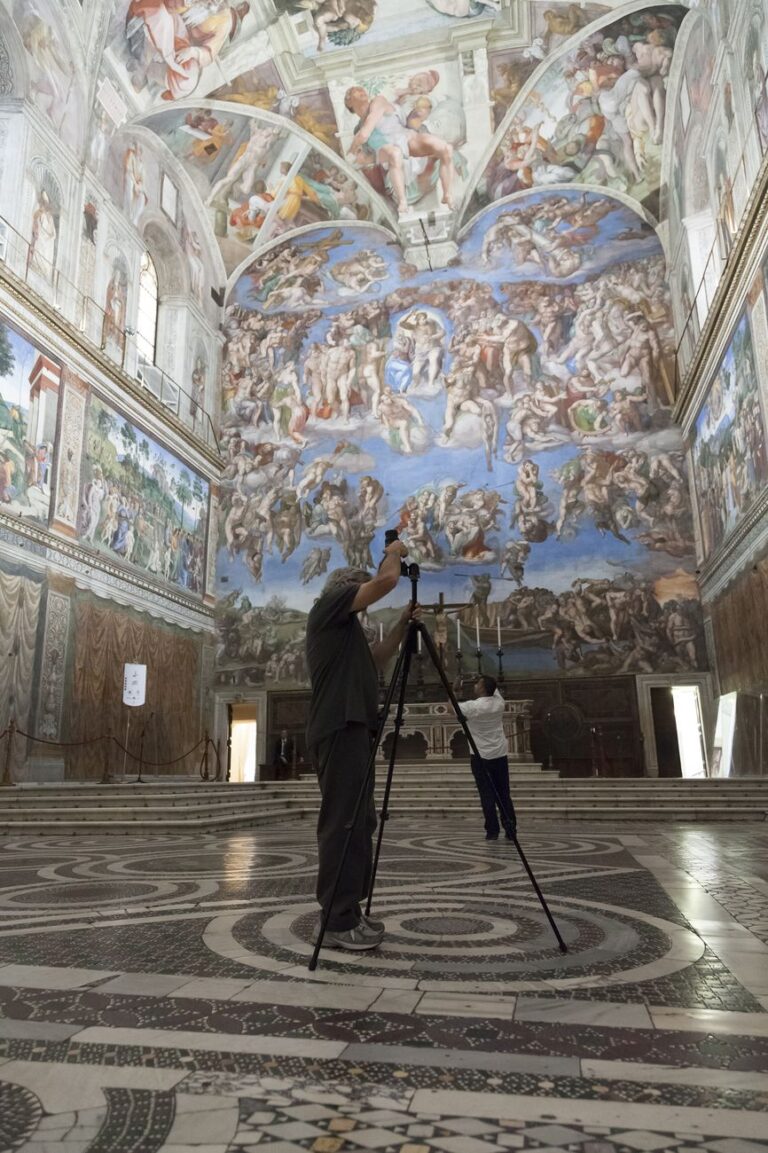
678,731
243,735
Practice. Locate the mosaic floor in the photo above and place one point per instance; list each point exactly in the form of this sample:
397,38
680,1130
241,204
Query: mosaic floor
154,995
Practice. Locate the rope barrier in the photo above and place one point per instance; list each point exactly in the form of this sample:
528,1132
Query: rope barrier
60,744
155,764
11,731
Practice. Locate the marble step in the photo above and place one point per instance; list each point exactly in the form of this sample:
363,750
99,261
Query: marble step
543,816
177,794
202,797
63,817
403,793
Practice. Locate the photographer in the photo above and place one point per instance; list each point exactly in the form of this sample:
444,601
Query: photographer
343,719
485,718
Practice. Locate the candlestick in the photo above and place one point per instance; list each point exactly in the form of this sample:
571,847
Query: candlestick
458,635
498,631
381,632
500,674
459,677
477,626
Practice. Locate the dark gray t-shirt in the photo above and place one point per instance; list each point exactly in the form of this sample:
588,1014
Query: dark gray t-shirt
344,681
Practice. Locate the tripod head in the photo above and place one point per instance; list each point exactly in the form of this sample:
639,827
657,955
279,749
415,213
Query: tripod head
411,571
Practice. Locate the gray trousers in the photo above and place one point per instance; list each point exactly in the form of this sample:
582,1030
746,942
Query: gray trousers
341,761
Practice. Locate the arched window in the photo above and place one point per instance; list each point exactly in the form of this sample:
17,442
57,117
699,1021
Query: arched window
146,321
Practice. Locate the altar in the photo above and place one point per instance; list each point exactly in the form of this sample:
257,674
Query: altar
436,723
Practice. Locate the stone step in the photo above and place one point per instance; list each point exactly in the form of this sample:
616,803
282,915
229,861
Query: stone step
543,816
465,801
459,774
402,793
205,794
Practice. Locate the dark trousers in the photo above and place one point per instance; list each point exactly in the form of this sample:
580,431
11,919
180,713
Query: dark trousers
494,792
341,761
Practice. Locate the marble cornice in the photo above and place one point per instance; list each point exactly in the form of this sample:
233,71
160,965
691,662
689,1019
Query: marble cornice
64,329
732,289
95,571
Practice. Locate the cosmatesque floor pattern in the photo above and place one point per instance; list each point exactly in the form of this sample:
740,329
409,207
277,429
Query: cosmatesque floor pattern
155,996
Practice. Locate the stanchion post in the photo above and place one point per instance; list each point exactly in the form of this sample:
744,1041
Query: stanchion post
206,774
139,779
218,758
7,782
105,777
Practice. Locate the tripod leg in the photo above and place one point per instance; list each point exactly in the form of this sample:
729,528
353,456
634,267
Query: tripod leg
358,806
512,830
384,815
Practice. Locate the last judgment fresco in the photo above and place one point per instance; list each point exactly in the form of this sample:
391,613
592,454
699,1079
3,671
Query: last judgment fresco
509,414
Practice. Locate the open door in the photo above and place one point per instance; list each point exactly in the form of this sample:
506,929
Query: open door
678,731
243,731
665,732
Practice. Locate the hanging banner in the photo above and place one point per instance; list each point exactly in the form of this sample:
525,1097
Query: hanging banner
134,685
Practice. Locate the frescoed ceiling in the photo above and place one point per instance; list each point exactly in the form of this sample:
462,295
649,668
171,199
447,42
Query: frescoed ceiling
433,108
414,114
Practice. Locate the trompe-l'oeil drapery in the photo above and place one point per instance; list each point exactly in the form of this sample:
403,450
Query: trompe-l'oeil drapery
105,640
19,612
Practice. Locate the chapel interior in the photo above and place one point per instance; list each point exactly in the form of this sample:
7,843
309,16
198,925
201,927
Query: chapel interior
277,276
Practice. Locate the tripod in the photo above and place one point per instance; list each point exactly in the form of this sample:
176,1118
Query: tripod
399,680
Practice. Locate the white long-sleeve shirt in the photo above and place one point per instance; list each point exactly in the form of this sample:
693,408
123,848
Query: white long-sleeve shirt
485,718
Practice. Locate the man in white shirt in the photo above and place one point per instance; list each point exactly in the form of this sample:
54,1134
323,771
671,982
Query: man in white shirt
485,718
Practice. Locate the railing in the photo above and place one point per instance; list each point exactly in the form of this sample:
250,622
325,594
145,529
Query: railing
723,227
102,331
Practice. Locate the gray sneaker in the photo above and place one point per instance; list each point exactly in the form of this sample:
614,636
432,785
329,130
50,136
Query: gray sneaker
372,923
357,940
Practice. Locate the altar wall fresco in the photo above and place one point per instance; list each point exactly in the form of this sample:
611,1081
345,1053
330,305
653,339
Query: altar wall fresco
510,414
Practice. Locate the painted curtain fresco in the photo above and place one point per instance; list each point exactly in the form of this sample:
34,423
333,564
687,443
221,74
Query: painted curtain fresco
139,503
509,414
730,465
29,394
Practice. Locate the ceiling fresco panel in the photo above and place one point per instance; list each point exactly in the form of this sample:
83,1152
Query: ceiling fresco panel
168,51
510,414
320,191
236,163
322,26
407,134
264,88
595,116
55,83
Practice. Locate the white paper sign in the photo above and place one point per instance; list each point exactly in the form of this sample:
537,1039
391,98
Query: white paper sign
134,684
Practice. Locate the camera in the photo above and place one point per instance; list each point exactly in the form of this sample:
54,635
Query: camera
390,536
